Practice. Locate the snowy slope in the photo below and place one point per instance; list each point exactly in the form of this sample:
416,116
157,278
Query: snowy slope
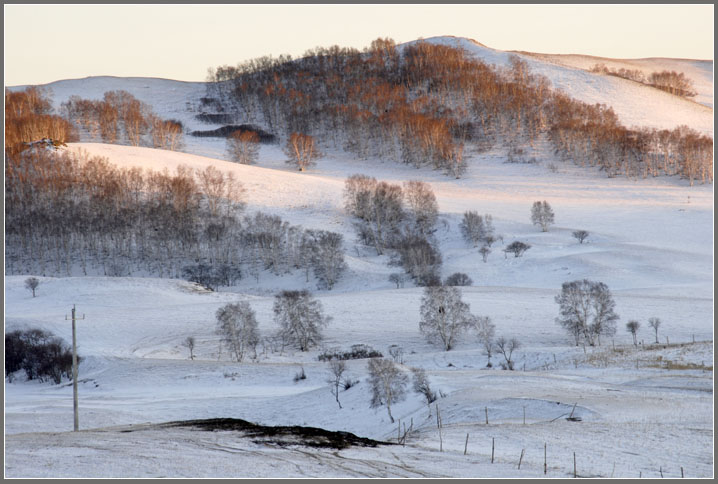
699,71
634,104
649,243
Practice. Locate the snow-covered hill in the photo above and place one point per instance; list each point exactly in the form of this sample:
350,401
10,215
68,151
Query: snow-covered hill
634,104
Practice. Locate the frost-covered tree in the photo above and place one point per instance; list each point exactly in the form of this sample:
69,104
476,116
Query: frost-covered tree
444,316
300,318
388,383
655,323
458,279
485,332
422,386
507,348
396,352
189,343
542,214
586,310
383,215
327,257
422,207
632,327
336,371
31,283
420,259
238,329
398,278
517,248
475,228
580,235
358,190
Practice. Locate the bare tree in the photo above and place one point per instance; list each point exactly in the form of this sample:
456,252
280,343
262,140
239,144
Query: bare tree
472,227
396,352
189,343
632,327
388,383
517,248
237,326
397,278
420,259
422,386
383,214
336,370
458,279
485,251
655,323
444,316
243,146
358,190
300,318
327,257
302,150
31,283
580,235
507,348
586,310
422,206
542,214
485,332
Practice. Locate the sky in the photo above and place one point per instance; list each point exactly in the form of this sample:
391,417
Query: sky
45,43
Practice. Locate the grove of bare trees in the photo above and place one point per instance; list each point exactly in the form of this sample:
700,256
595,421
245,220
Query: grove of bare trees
424,103
121,118
389,217
73,214
29,118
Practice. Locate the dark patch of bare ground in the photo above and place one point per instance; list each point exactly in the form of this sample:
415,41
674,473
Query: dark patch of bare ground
225,131
280,435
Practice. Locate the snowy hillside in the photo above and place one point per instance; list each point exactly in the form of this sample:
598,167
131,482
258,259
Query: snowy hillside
136,370
635,105
640,410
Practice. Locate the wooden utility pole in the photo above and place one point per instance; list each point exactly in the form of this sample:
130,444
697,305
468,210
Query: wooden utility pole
76,420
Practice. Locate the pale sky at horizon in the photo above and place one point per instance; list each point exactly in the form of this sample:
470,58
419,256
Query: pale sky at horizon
45,43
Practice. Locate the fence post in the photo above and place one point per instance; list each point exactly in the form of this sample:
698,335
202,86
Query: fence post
574,465
544,458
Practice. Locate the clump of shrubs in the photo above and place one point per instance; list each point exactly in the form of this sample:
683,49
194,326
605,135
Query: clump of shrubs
42,355
301,375
356,352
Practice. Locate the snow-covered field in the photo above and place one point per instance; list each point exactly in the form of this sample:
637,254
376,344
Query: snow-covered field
644,411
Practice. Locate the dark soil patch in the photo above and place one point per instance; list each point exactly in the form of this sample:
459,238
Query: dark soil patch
281,435
224,131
